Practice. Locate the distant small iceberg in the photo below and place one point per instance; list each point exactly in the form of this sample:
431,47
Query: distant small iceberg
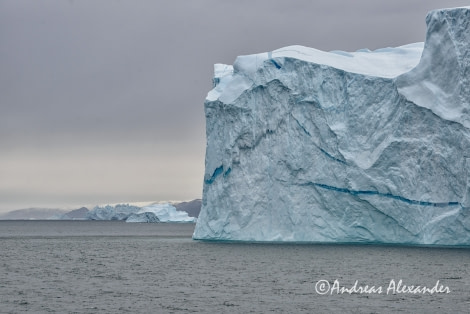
143,217
163,212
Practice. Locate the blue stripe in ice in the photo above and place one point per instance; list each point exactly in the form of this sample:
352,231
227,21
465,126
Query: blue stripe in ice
277,65
389,195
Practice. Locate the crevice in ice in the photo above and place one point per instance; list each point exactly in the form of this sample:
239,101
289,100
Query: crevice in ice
215,174
329,156
215,82
321,149
398,223
301,126
388,195
277,65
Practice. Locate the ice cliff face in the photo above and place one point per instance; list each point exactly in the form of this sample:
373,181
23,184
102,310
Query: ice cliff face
304,145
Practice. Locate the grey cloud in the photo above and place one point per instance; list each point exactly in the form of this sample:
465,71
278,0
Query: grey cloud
90,74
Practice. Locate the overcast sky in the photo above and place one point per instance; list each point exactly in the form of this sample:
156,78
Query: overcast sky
102,101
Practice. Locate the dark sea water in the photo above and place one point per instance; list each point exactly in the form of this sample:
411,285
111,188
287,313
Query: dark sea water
117,267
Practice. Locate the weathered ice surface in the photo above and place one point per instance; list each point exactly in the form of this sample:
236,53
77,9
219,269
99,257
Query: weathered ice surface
370,146
143,217
110,212
164,213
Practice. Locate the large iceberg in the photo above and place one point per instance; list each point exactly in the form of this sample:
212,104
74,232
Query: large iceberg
370,146
164,212
112,212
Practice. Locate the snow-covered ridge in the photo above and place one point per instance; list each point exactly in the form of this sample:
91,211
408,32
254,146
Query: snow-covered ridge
305,145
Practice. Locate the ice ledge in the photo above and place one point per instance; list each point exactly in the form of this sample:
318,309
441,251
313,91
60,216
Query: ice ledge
385,63
440,82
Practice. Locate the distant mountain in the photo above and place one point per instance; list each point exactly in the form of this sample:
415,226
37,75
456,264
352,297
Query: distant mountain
76,214
32,213
192,207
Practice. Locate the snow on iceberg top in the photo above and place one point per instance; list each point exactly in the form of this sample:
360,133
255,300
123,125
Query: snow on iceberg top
386,62
433,75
